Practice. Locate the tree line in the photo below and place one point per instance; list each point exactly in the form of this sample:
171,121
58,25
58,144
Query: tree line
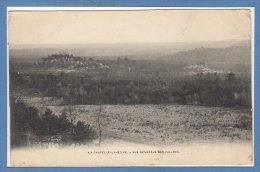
209,89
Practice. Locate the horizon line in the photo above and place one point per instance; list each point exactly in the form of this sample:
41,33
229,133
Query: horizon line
126,43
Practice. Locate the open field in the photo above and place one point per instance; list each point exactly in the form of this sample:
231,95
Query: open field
167,124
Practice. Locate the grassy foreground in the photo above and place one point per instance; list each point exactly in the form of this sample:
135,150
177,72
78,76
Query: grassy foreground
167,124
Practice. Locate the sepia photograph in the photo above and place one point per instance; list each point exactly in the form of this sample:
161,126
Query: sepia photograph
114,87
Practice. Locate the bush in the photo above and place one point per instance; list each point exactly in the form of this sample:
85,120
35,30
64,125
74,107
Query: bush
27,126
83,133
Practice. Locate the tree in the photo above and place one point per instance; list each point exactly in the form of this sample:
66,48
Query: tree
99,123
83,132
47,121
24,121
100,115
70,115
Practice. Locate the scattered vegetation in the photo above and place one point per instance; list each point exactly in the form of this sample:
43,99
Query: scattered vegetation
29,127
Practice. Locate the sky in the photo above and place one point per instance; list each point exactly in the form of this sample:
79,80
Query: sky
137,26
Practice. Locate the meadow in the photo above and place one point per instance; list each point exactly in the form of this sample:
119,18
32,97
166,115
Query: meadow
166,124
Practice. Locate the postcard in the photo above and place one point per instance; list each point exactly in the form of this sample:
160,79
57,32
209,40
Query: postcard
112,87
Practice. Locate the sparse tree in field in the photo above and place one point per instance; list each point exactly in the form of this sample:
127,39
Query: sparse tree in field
99,124
71,116
99,112
100,115
47,123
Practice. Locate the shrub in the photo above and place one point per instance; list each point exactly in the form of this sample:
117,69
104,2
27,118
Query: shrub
28,126
82,133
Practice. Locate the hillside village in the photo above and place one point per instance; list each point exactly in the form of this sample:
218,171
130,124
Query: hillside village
71,63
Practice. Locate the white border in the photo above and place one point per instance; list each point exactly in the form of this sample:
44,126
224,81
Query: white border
117,8
253,78
35,9
7,94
